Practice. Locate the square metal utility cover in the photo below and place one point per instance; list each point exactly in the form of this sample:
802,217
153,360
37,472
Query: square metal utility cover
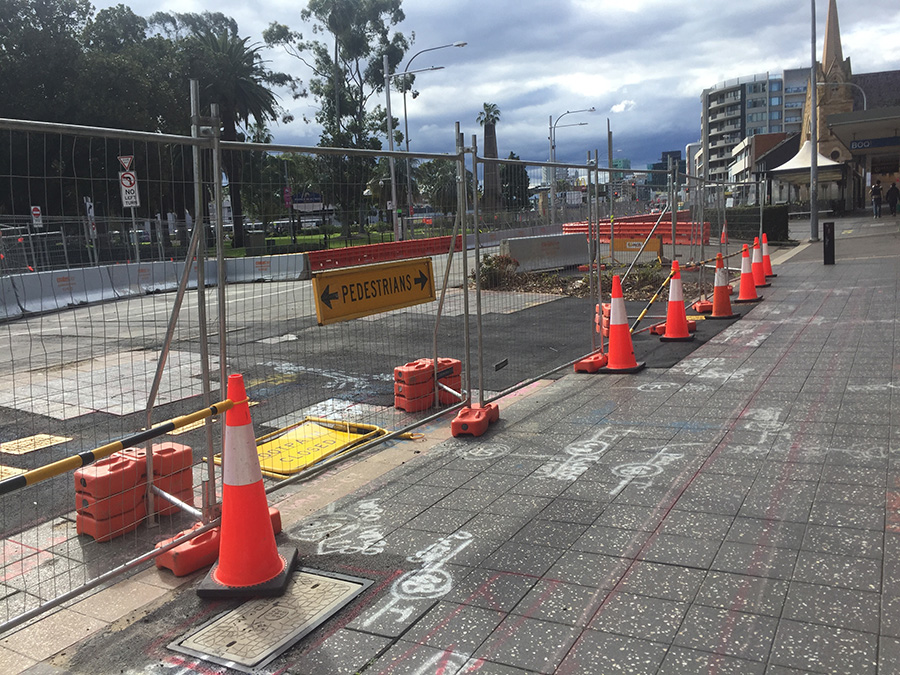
254,634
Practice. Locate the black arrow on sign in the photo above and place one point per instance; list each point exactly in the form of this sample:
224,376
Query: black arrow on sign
421,280
327,297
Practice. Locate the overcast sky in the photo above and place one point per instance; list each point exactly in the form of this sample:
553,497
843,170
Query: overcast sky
641,63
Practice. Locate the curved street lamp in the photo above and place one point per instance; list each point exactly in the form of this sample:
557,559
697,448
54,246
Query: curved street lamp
553,126
406,119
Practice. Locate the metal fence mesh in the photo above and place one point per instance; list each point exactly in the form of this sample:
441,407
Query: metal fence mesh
97,303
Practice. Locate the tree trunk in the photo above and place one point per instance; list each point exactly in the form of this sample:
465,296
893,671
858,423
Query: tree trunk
491,171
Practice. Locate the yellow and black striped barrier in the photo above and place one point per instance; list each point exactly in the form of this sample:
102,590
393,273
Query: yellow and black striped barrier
84,458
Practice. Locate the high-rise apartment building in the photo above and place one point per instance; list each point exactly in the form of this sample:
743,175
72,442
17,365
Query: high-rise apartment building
747,106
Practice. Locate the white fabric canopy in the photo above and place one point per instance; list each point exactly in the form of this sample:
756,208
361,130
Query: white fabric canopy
796,169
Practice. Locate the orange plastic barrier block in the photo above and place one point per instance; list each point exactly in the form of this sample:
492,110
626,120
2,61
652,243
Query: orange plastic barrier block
475,421
101,508
201,551
414,390
703,306
591,364
414,404
177,482
109,528
108,476
445,364
168,458
445,397
414,372
180,485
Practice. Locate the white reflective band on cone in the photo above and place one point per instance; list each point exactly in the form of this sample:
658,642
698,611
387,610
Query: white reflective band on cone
241,461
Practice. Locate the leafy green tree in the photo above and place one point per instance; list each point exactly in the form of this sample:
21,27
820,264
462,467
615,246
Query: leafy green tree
177,27
437,182
40,54
488,119
233,74
514,184
346,72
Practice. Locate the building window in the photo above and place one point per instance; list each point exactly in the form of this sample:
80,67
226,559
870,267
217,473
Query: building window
776,129
775,85
775,115
776,100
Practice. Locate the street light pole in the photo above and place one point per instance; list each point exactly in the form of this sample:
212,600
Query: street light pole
390,134
406,119
814,137
553,126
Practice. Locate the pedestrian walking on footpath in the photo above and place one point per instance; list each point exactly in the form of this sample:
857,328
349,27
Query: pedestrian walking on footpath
875,191
892,196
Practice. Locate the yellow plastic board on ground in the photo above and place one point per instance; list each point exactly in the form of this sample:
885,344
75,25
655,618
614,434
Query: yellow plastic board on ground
294,448
23,446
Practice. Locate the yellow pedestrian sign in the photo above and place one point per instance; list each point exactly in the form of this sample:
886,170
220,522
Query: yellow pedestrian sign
352,292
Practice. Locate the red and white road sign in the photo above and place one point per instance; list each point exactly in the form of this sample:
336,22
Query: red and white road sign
36,218
125,161
129,188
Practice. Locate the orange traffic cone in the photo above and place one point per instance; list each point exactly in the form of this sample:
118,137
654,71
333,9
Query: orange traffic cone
767,262
721,296
249,562
676,316
759,275
747,289
620,354
724,238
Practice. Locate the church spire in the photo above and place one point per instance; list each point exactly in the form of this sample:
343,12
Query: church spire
832,54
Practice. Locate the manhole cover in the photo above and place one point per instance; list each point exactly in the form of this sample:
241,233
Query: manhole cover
255,633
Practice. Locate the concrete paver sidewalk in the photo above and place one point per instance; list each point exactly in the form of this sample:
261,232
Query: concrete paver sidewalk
736,513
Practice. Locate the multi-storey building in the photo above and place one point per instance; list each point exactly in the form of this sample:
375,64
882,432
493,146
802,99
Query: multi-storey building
735,109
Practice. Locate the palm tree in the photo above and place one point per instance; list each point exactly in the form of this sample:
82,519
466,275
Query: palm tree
238,80
488,119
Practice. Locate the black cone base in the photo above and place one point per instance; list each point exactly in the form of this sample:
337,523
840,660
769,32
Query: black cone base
687,338
633,369
277,585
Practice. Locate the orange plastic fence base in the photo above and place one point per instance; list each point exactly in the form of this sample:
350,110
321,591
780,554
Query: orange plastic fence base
201,551
414,404
703,306
591,364
112,527
475,421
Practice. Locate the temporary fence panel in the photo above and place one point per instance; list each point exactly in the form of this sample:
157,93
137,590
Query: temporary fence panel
86,321
381,299
535,303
